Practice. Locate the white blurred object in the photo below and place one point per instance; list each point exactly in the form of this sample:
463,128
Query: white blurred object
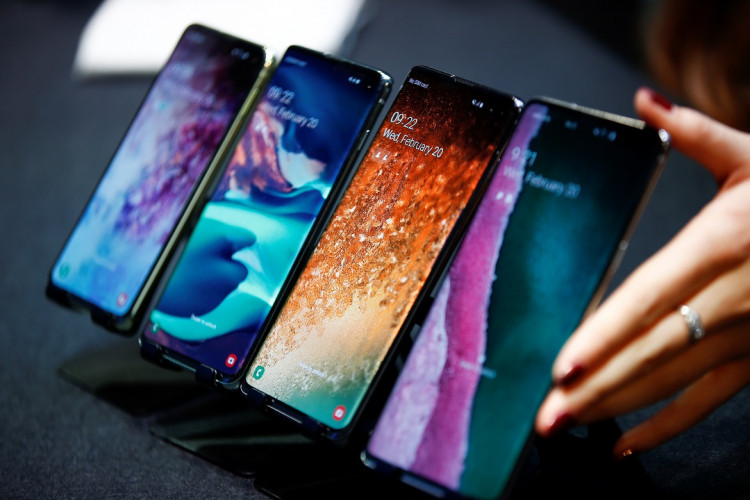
137,36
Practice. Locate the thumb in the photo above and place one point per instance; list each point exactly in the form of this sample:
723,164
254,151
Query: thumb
721,149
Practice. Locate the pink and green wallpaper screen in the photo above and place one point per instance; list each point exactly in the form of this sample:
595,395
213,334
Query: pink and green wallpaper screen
563,194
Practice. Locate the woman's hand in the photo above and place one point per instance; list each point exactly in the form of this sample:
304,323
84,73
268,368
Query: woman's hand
635,349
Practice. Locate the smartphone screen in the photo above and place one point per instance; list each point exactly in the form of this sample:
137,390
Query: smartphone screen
336,328
532,262
135,209
295,151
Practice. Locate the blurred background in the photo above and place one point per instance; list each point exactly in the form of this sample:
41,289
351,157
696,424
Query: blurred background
70,86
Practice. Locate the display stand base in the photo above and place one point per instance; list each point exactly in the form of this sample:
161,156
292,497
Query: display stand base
222,429
119,376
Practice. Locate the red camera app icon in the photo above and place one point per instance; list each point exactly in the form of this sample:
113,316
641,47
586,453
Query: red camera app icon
231,360
339,413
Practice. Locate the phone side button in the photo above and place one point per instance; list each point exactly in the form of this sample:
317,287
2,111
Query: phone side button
150,351
256,398
205,374
619,254
362,140
423,485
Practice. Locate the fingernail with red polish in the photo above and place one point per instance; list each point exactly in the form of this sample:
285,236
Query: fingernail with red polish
561,422
627,452
659,99
569,376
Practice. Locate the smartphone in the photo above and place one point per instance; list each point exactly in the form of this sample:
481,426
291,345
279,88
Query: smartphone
291,164
536,258
332,339
123,240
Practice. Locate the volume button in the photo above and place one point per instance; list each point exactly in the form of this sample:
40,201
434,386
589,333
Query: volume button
619,254
362,140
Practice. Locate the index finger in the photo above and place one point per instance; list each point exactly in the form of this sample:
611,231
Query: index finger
721,149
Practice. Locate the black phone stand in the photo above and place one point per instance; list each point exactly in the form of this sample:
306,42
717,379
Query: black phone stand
224,430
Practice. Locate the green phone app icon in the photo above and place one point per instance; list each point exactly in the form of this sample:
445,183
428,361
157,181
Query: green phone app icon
258,372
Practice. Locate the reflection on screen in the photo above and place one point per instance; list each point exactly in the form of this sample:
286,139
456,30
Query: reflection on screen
164,154
251,231
370,264
533,257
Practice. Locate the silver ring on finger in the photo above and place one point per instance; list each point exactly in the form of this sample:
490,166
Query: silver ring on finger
693,322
